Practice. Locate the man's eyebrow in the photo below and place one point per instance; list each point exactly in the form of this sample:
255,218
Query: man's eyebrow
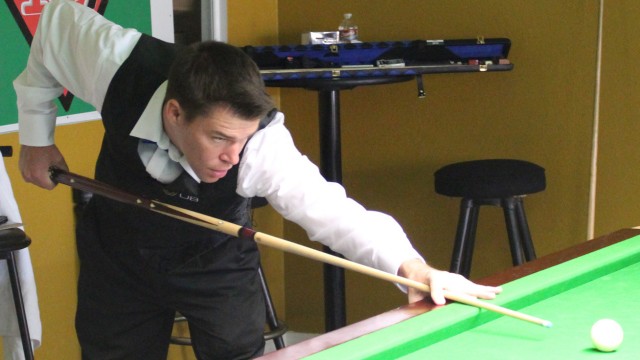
222,134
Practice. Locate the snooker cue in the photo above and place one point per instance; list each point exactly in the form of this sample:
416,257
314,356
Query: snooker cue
96,187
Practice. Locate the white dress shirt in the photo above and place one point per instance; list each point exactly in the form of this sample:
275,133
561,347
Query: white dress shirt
84,55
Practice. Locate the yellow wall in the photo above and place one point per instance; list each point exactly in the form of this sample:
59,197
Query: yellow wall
393,142
618,174
541,111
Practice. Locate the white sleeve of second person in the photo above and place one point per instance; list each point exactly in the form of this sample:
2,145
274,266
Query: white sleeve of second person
74,48
273,168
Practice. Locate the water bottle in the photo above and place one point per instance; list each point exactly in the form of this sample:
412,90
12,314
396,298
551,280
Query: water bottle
348,30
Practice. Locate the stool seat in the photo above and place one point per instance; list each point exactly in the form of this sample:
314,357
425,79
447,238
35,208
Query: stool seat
497,182
491,178
13,239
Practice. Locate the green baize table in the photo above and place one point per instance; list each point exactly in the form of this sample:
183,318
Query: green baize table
573,289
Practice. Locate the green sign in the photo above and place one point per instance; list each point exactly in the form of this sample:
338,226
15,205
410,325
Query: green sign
18,21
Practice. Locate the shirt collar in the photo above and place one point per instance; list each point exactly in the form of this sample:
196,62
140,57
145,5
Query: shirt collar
149,128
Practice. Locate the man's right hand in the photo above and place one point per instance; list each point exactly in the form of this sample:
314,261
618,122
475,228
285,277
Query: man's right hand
35,162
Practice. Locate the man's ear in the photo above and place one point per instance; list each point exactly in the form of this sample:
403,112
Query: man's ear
172,112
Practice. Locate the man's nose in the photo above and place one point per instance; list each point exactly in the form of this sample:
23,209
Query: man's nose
231,154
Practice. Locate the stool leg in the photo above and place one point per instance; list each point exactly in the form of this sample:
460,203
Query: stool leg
460,259
515,243
19,303
272,318
467,257
527,243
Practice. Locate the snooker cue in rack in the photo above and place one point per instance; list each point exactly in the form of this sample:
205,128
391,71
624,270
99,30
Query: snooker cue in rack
99,188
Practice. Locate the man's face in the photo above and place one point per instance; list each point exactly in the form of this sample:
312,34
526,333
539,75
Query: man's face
211,143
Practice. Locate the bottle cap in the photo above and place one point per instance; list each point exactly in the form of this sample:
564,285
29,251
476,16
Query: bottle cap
347,16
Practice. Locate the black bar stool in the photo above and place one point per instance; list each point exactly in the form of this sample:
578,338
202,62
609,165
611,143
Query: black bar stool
496,182
13,240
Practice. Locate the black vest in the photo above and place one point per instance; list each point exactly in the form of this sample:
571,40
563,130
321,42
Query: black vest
164,242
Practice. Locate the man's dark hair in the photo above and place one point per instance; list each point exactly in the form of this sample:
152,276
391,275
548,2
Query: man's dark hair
211,74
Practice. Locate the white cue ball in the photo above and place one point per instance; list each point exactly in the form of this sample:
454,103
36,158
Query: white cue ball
606,335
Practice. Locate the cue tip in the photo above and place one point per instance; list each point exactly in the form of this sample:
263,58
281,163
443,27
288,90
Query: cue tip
547,324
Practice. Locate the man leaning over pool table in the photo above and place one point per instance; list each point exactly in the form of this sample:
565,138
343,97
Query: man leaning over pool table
196,121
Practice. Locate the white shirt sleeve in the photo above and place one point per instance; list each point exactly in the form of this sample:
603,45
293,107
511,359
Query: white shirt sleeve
273,168
75,48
